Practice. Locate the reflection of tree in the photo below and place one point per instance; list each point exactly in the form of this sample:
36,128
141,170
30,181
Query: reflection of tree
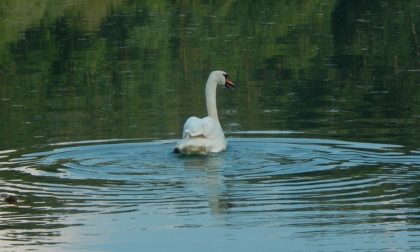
376,52
104,69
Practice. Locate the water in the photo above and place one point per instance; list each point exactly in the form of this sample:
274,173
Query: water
262,192
323,125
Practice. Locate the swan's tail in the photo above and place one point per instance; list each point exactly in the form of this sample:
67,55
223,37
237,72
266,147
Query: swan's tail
177,150
191,147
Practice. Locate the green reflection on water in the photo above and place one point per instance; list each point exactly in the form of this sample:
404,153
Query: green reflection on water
77,70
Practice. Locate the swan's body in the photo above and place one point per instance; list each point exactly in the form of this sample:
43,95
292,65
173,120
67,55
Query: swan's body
205,135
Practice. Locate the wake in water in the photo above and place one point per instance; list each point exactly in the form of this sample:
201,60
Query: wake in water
296,186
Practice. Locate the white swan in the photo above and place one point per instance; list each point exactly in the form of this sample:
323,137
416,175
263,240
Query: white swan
205,135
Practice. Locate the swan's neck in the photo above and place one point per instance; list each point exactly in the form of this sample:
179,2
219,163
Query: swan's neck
211,98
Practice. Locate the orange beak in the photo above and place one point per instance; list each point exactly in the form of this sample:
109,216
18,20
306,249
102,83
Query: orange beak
229,84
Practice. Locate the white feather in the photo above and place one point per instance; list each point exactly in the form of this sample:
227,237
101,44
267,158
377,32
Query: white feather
195,127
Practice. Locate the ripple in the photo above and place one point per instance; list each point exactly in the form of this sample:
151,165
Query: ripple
299,182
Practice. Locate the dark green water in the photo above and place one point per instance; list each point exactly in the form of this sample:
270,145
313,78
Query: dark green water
324,125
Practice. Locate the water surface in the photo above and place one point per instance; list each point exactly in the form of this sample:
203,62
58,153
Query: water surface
323,126
258,194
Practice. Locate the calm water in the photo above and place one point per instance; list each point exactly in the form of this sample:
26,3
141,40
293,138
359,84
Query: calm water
323,127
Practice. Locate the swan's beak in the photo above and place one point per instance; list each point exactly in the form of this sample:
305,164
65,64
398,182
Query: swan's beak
229,84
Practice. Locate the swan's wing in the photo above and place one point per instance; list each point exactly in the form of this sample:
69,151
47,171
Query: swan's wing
196,127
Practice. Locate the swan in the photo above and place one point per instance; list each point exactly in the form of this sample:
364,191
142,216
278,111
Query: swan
205,135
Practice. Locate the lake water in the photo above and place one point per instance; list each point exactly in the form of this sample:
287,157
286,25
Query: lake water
323,126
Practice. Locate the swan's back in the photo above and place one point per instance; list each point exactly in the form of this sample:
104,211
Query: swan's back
195,127
201,136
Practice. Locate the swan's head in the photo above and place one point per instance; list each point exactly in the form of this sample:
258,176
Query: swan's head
222,78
